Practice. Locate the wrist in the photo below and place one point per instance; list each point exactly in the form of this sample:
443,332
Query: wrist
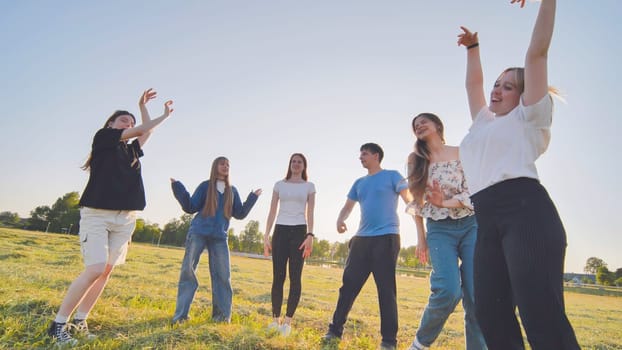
472,46
309,234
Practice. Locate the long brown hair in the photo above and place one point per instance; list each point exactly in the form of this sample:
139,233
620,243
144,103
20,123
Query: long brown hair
419,159
111,119
211,200
289,166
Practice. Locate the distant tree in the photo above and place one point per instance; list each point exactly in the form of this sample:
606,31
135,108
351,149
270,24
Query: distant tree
593,264
233,240
175,231
604,276
251,240
65,214
339,251
38,220
619,273
586,280
618,282
9,219
146,232
321,249
407,257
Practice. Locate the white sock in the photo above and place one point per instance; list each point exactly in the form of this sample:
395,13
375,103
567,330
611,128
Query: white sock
81,315
61,319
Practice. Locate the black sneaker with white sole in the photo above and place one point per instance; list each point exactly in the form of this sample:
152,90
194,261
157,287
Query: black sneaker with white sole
58,331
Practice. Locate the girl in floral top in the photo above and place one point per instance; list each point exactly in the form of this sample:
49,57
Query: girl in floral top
437,183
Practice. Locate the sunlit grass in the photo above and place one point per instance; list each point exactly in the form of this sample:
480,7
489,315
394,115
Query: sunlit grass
135,309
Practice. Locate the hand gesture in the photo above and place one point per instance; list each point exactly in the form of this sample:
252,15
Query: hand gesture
422,251
306,247
167,107
147,96
522,2
173,180
341,227
267,247
467,38
435,194
258,192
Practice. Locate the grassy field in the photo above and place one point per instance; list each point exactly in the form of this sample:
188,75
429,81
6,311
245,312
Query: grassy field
136,307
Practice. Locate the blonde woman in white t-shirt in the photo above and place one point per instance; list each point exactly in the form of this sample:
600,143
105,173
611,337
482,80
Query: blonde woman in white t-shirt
292,239
521,242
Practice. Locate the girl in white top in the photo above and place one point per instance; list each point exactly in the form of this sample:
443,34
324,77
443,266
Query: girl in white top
441,196
292,240
521,242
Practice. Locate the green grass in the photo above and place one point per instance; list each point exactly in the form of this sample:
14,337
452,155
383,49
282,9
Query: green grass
135,310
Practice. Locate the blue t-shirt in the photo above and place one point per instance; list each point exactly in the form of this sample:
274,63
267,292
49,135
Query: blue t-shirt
378,194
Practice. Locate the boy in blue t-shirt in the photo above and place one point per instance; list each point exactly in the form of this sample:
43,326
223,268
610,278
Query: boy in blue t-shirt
376,245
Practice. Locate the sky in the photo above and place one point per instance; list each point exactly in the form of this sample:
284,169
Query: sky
256,81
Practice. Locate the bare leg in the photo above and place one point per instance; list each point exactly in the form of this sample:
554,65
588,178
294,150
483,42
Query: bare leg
96,290
80,287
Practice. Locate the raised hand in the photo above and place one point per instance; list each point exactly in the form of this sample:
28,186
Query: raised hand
147,96
522,2
167,107
258,192
467,38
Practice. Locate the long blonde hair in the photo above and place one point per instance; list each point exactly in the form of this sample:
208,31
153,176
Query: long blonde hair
211,200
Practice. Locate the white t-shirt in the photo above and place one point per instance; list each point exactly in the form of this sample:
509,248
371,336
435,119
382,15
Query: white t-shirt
293,201
506,147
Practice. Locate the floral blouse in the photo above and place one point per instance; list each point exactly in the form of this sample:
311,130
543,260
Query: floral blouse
450,176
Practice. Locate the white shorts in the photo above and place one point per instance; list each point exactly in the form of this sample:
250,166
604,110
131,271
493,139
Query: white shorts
105,235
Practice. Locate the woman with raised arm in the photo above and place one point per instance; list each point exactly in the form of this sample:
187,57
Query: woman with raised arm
292,240
521,243
441,196
113,195
215,201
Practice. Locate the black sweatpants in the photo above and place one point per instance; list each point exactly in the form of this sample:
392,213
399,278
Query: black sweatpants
376,255
285,243
519,261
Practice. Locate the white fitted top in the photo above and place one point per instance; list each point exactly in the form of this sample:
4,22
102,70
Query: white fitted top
506,147
293,201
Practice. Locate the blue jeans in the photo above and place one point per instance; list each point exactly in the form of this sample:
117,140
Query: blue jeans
220,274
450,240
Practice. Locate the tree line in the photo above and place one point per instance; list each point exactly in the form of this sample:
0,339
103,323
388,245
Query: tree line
64,217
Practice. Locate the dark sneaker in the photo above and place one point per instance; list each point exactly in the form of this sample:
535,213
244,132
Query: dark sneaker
387,346
59,332
330,337
80,327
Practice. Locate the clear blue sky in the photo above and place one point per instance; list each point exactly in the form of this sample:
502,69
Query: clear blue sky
258,80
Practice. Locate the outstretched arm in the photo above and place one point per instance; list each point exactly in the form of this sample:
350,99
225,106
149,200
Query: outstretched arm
474,75
536,80
147,96
146,127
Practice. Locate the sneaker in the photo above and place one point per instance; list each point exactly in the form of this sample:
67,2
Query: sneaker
82,328
416,345
386,346
274,326
330,337
285,329
58,331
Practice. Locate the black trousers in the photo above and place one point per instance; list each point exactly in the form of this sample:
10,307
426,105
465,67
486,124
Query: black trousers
285,243
375,255
519,261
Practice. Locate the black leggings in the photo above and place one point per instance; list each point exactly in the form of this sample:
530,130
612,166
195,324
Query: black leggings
519,261
285,243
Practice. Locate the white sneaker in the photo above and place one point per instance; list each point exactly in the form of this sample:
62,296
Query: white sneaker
285,329
274,326
416,345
